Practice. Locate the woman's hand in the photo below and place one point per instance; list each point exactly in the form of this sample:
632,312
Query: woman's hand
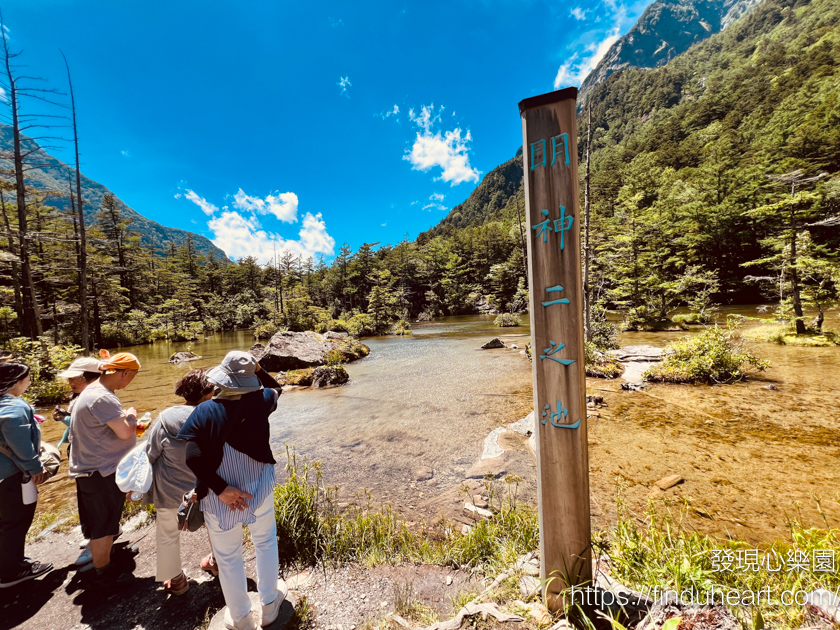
40,477
234,498
59,413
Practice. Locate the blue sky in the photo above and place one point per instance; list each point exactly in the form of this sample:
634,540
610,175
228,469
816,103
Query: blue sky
305,124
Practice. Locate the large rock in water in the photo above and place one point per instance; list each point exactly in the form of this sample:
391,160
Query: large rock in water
299,350
325,376
183,357
493,343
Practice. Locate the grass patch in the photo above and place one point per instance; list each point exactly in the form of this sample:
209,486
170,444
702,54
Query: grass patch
61,522
507,320
667,555
785,336
297,377
312,530
303,618
133,508
716,355
408,606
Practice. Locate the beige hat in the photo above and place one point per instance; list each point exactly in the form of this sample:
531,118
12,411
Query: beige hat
79,367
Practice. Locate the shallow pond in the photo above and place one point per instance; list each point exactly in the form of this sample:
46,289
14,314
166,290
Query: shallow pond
751,457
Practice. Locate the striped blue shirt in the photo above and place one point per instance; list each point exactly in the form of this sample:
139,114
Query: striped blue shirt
247,474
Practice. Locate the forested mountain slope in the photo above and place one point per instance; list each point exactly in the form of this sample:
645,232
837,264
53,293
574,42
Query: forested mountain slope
485,202
682,156
665,29
49,174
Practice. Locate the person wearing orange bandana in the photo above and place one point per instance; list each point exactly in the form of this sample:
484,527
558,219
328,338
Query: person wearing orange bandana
101,433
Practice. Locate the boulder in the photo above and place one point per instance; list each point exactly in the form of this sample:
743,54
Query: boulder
493,343
183,357
325,376
298,350
332,334
424,317
257,350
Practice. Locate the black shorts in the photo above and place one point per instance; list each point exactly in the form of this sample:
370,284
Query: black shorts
100,505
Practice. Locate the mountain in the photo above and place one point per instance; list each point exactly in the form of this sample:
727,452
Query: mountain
489,197
666,29
51,174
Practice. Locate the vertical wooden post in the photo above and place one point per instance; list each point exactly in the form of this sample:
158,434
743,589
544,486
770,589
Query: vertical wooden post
550,156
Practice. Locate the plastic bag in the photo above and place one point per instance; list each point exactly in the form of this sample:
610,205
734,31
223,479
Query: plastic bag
134,472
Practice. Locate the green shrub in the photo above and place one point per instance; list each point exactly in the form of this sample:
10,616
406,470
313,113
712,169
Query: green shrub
599,364
714,356
604,332
402,328
507,320
361,325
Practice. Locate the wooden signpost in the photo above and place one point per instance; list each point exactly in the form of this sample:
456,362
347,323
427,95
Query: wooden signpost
549,148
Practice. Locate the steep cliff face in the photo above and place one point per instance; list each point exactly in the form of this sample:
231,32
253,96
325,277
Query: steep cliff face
50,174
666,29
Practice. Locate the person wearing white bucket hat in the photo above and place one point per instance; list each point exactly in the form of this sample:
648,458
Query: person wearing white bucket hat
79,374
228,449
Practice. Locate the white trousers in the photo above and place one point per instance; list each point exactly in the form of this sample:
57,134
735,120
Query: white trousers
168,544
227,548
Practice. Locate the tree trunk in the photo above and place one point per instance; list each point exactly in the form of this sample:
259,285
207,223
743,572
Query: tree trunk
522,242
587,294
97,322
31,320
794,283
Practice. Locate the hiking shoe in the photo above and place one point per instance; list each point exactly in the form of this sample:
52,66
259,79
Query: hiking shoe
177,585
33,570
86,557
246,623
272,610
209,564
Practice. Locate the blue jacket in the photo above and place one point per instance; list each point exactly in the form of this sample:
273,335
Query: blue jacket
19,433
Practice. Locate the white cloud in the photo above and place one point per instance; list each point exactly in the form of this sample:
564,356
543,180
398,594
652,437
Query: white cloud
436,202
3,95
336,23
393,112
201,202
449,150
241,236
284,206
125,153
576,69
344,83
611,19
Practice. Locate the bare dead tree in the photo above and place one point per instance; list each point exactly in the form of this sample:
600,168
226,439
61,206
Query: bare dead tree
82,257
31,321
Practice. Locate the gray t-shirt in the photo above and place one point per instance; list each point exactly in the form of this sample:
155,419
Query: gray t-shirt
171,478
93,444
